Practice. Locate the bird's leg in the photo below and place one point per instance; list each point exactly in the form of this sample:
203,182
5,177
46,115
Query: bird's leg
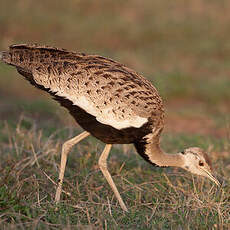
103,166
66,147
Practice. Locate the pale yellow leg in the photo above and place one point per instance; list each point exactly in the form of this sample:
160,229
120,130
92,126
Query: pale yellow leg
66,147
103,166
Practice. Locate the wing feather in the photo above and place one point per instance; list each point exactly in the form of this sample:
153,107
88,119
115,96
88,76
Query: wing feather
115,94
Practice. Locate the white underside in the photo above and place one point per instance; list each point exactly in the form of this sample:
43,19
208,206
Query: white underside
105,116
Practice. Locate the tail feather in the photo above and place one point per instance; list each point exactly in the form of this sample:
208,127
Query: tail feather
44,60
4,57
29,56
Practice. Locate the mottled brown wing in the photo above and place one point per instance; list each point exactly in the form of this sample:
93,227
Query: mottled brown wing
113,91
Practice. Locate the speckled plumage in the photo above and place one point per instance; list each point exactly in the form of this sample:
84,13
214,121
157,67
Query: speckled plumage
115,91
108,100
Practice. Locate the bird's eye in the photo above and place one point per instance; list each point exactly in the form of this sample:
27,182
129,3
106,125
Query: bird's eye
201,163
183,152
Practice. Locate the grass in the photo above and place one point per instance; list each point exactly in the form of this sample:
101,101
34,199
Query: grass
183,49
156,198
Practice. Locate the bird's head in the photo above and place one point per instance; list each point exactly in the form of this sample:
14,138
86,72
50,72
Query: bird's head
197,162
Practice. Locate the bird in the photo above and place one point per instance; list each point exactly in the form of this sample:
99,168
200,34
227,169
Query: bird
110,101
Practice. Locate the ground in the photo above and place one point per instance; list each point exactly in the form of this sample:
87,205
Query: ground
183,48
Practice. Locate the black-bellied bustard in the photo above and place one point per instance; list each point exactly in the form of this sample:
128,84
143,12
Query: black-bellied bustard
110,101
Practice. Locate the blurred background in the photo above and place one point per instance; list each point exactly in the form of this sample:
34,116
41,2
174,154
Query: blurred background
181,46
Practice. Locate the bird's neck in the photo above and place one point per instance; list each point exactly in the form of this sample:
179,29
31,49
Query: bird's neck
153,153
159,157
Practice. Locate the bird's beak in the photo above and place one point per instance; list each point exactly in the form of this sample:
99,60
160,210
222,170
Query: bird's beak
211,177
